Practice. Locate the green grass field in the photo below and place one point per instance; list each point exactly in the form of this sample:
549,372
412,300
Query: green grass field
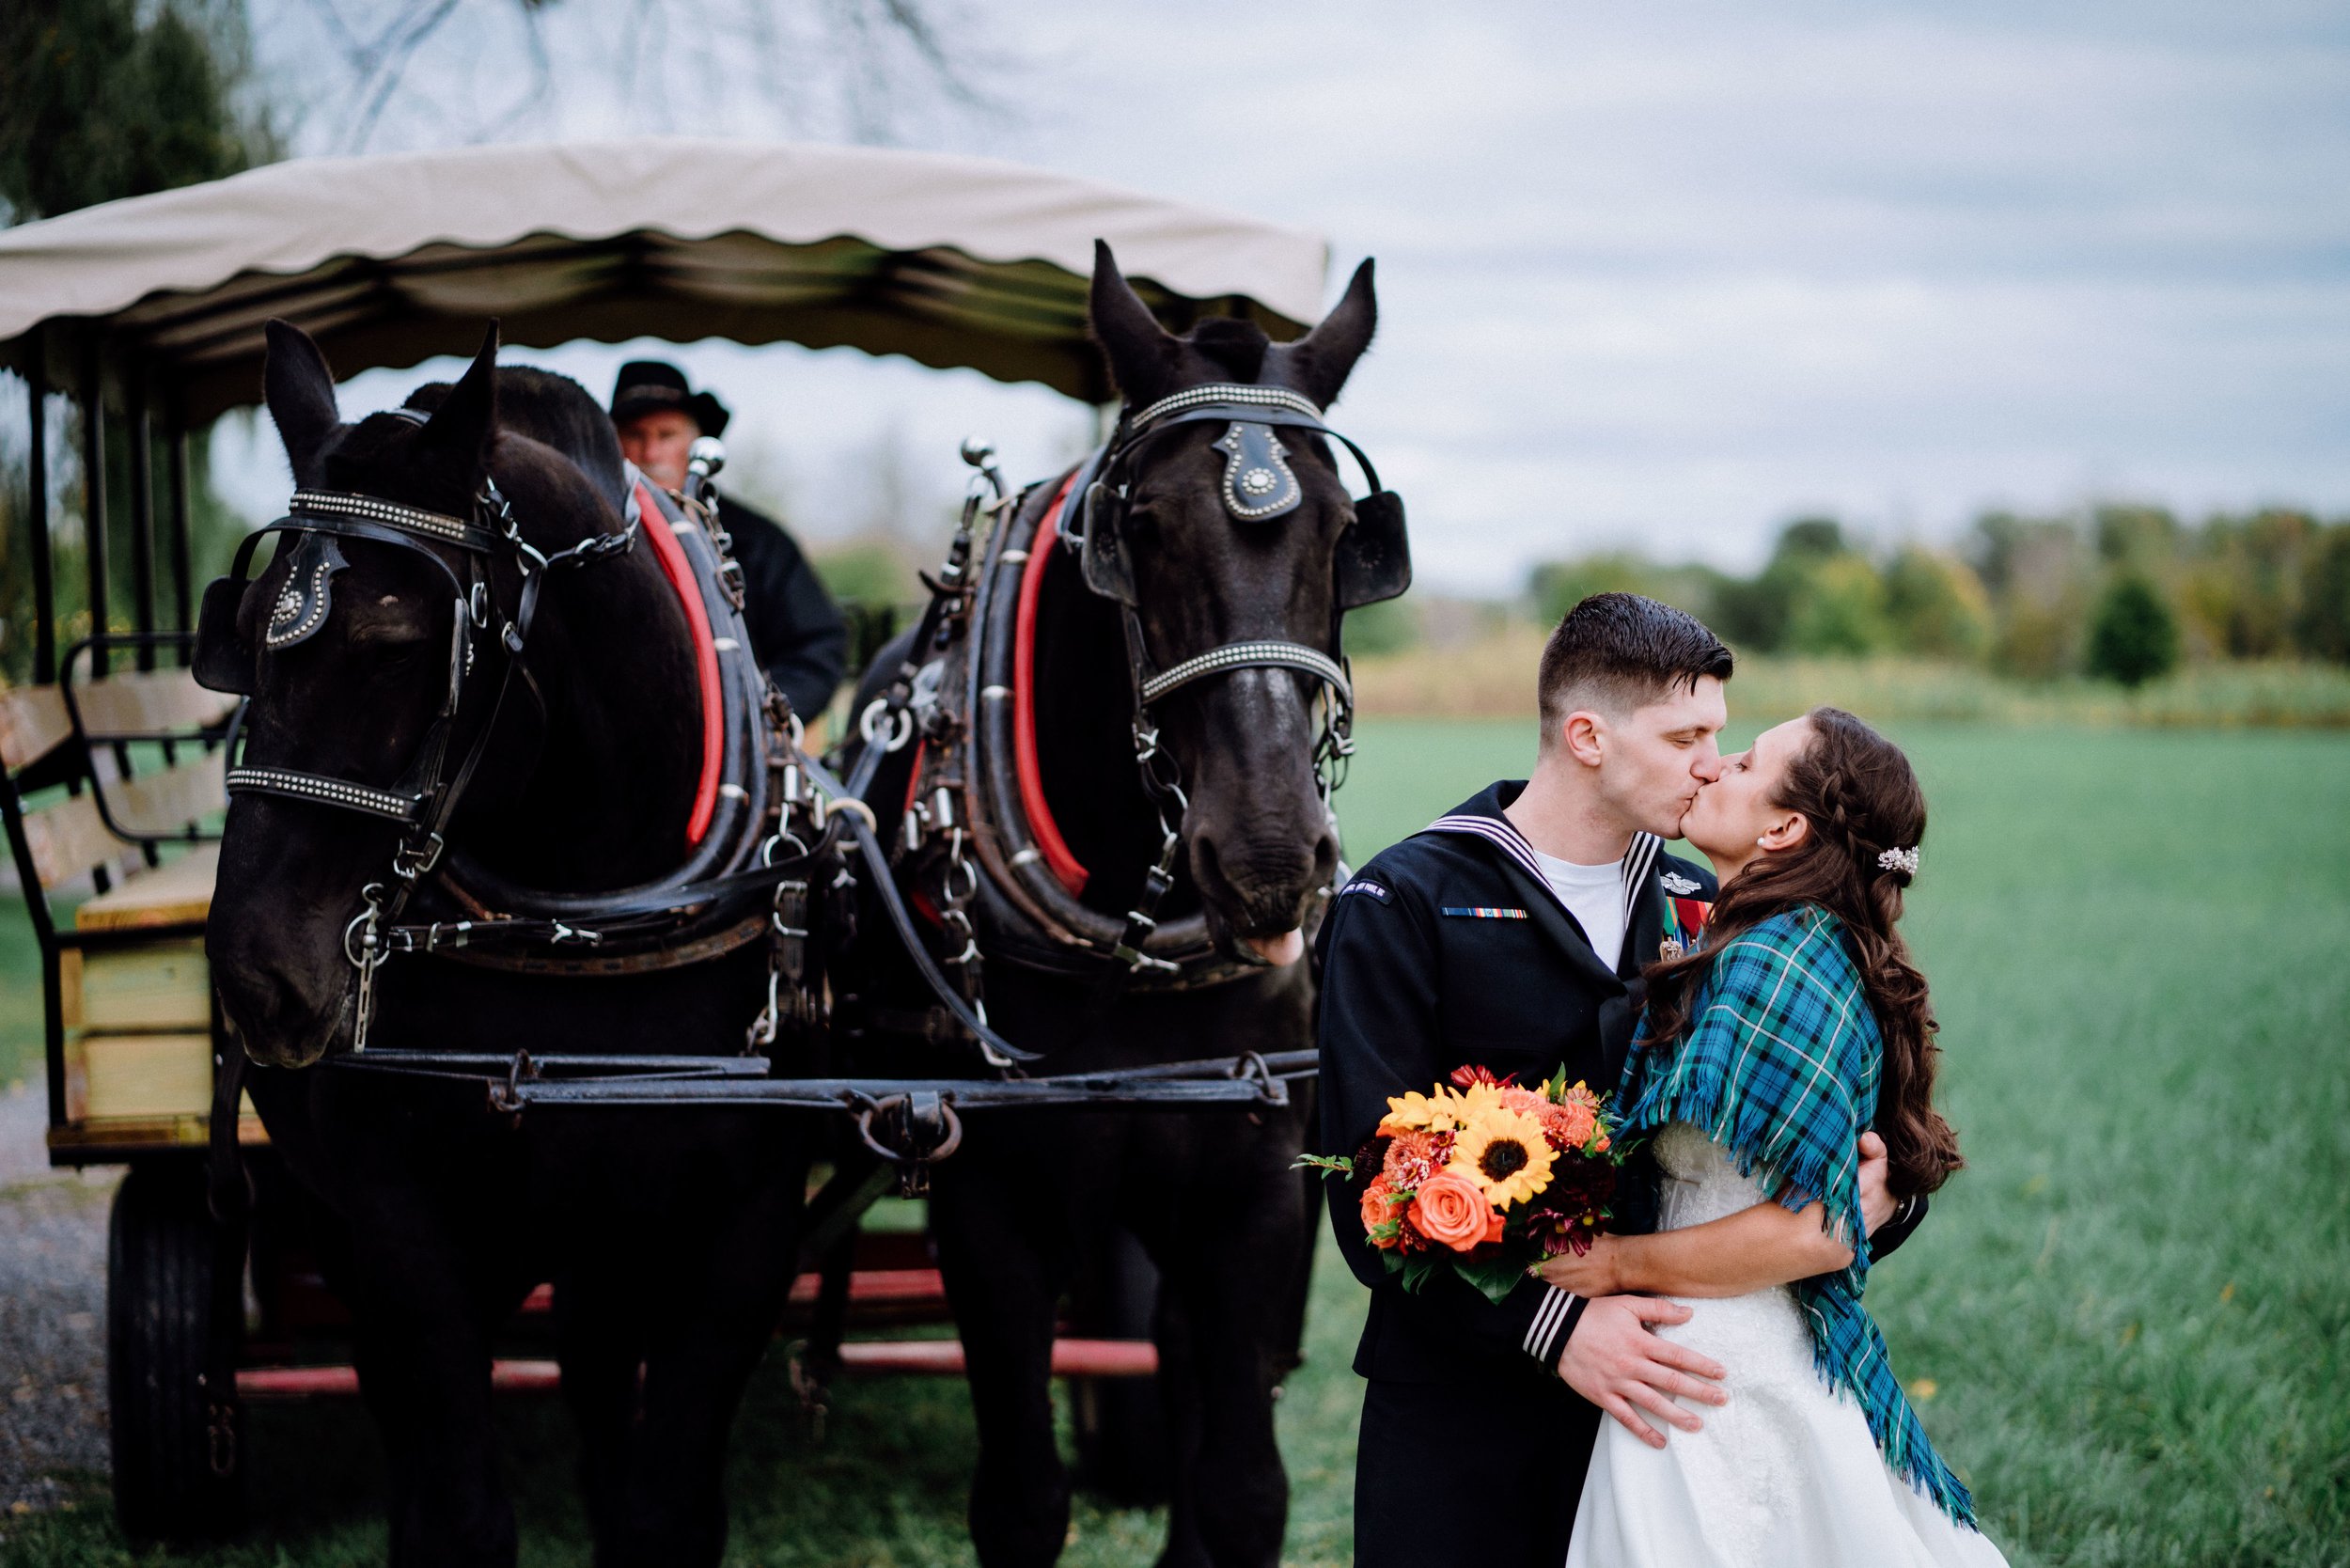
2128,1322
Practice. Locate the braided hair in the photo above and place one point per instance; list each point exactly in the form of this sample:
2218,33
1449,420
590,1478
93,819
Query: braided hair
1862,801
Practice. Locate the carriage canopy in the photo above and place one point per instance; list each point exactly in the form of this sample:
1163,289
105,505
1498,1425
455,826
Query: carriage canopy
389,260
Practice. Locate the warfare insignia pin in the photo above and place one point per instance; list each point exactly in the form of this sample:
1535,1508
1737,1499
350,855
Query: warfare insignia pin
1678,886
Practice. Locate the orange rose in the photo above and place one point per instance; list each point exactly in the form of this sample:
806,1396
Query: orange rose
1379,1201
1531,1100
1450,1212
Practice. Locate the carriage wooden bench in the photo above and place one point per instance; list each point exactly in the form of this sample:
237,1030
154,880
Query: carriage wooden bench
105,772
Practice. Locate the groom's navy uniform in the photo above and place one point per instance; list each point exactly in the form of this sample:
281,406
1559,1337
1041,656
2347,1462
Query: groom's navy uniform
1450,949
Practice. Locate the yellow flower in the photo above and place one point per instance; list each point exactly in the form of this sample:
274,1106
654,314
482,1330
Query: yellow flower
1479,1099
1437,1113
1505,1154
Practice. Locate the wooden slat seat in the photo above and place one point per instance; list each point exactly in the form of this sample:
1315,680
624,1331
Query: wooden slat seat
33,721
131,1047
175,892
70,838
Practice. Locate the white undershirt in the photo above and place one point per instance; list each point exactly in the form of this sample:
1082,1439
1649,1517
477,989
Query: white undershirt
1594,894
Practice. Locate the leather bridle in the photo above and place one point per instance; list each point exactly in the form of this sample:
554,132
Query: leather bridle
430,789
1258,486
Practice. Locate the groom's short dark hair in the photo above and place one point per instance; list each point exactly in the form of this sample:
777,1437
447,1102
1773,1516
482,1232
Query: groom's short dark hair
1619,651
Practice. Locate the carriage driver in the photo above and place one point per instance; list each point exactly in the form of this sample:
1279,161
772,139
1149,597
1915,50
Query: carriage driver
797,634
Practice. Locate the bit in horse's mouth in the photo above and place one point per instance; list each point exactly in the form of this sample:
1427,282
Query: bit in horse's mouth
1280,950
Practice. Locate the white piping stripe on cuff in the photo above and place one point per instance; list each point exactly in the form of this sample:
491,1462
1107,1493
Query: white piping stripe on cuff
1544,1328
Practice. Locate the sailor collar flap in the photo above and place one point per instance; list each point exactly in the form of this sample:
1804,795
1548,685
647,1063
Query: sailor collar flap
1483,817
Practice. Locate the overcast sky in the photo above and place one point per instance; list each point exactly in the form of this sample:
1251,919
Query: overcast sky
1667,276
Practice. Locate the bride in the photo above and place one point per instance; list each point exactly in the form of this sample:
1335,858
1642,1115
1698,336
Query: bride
1799,1024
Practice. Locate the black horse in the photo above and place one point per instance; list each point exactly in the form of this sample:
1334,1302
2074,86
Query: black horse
671,1237
1026,1207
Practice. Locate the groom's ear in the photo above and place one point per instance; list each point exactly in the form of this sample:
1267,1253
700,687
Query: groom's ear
1583,733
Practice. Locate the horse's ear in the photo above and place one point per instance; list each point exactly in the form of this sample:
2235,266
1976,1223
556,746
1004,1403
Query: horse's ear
1319,363
299,391
468,416
1143,354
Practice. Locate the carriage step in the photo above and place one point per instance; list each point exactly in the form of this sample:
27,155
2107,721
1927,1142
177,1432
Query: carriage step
274,1383
919,1357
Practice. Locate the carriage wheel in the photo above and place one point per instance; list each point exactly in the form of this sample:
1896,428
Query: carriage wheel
1125,1450
159,1296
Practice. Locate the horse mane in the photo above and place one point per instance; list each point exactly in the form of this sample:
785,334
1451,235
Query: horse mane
557,412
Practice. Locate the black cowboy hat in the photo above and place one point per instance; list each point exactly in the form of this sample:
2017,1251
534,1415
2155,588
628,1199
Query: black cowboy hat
647,385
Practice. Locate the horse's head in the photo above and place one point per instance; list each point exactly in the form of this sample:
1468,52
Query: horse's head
1235,533
354,651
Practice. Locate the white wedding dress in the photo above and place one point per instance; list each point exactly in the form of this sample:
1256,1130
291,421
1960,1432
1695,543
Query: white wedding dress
1783,1476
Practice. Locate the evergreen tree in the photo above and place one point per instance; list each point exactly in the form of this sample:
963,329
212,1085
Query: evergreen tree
2133,638
99,103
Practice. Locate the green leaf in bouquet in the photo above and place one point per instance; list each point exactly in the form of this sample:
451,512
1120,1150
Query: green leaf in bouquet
1496,1273
1329,1165
1417,1269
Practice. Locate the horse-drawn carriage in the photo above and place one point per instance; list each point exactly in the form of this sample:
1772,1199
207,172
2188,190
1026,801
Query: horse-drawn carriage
1022,793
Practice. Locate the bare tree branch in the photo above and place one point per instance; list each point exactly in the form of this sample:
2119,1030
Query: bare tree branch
864,70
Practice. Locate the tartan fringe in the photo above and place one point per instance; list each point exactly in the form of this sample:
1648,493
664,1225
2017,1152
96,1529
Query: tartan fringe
1797,1174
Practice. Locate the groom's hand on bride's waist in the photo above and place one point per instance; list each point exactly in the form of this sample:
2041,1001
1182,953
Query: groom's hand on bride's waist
1614,1361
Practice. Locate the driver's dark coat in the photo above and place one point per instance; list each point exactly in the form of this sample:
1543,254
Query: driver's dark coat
797,634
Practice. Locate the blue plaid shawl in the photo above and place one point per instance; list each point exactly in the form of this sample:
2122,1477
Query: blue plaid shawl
1781,1064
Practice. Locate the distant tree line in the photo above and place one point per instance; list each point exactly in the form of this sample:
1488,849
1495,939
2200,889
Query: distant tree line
2122,592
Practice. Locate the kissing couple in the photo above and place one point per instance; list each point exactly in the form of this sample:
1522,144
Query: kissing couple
1702,1388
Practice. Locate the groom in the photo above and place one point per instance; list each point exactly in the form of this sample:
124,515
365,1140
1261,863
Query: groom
1509,935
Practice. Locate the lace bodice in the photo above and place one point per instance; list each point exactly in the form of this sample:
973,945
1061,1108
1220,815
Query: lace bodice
1698,1178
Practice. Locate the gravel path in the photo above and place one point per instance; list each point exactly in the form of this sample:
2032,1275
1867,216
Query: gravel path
53,1311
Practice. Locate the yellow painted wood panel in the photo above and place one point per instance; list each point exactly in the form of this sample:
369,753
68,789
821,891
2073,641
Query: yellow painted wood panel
110,1077
165,986
177,890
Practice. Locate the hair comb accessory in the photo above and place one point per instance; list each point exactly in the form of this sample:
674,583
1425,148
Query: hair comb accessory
1902,860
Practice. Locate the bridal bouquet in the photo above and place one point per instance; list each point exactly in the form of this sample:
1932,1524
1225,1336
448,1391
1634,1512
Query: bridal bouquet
1485,1177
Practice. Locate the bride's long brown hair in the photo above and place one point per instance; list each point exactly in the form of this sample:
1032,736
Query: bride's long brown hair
1861,798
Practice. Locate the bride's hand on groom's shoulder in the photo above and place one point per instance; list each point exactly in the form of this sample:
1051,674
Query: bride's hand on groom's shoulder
1614,1361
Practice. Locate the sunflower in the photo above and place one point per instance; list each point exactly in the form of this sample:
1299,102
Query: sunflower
1505,1154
